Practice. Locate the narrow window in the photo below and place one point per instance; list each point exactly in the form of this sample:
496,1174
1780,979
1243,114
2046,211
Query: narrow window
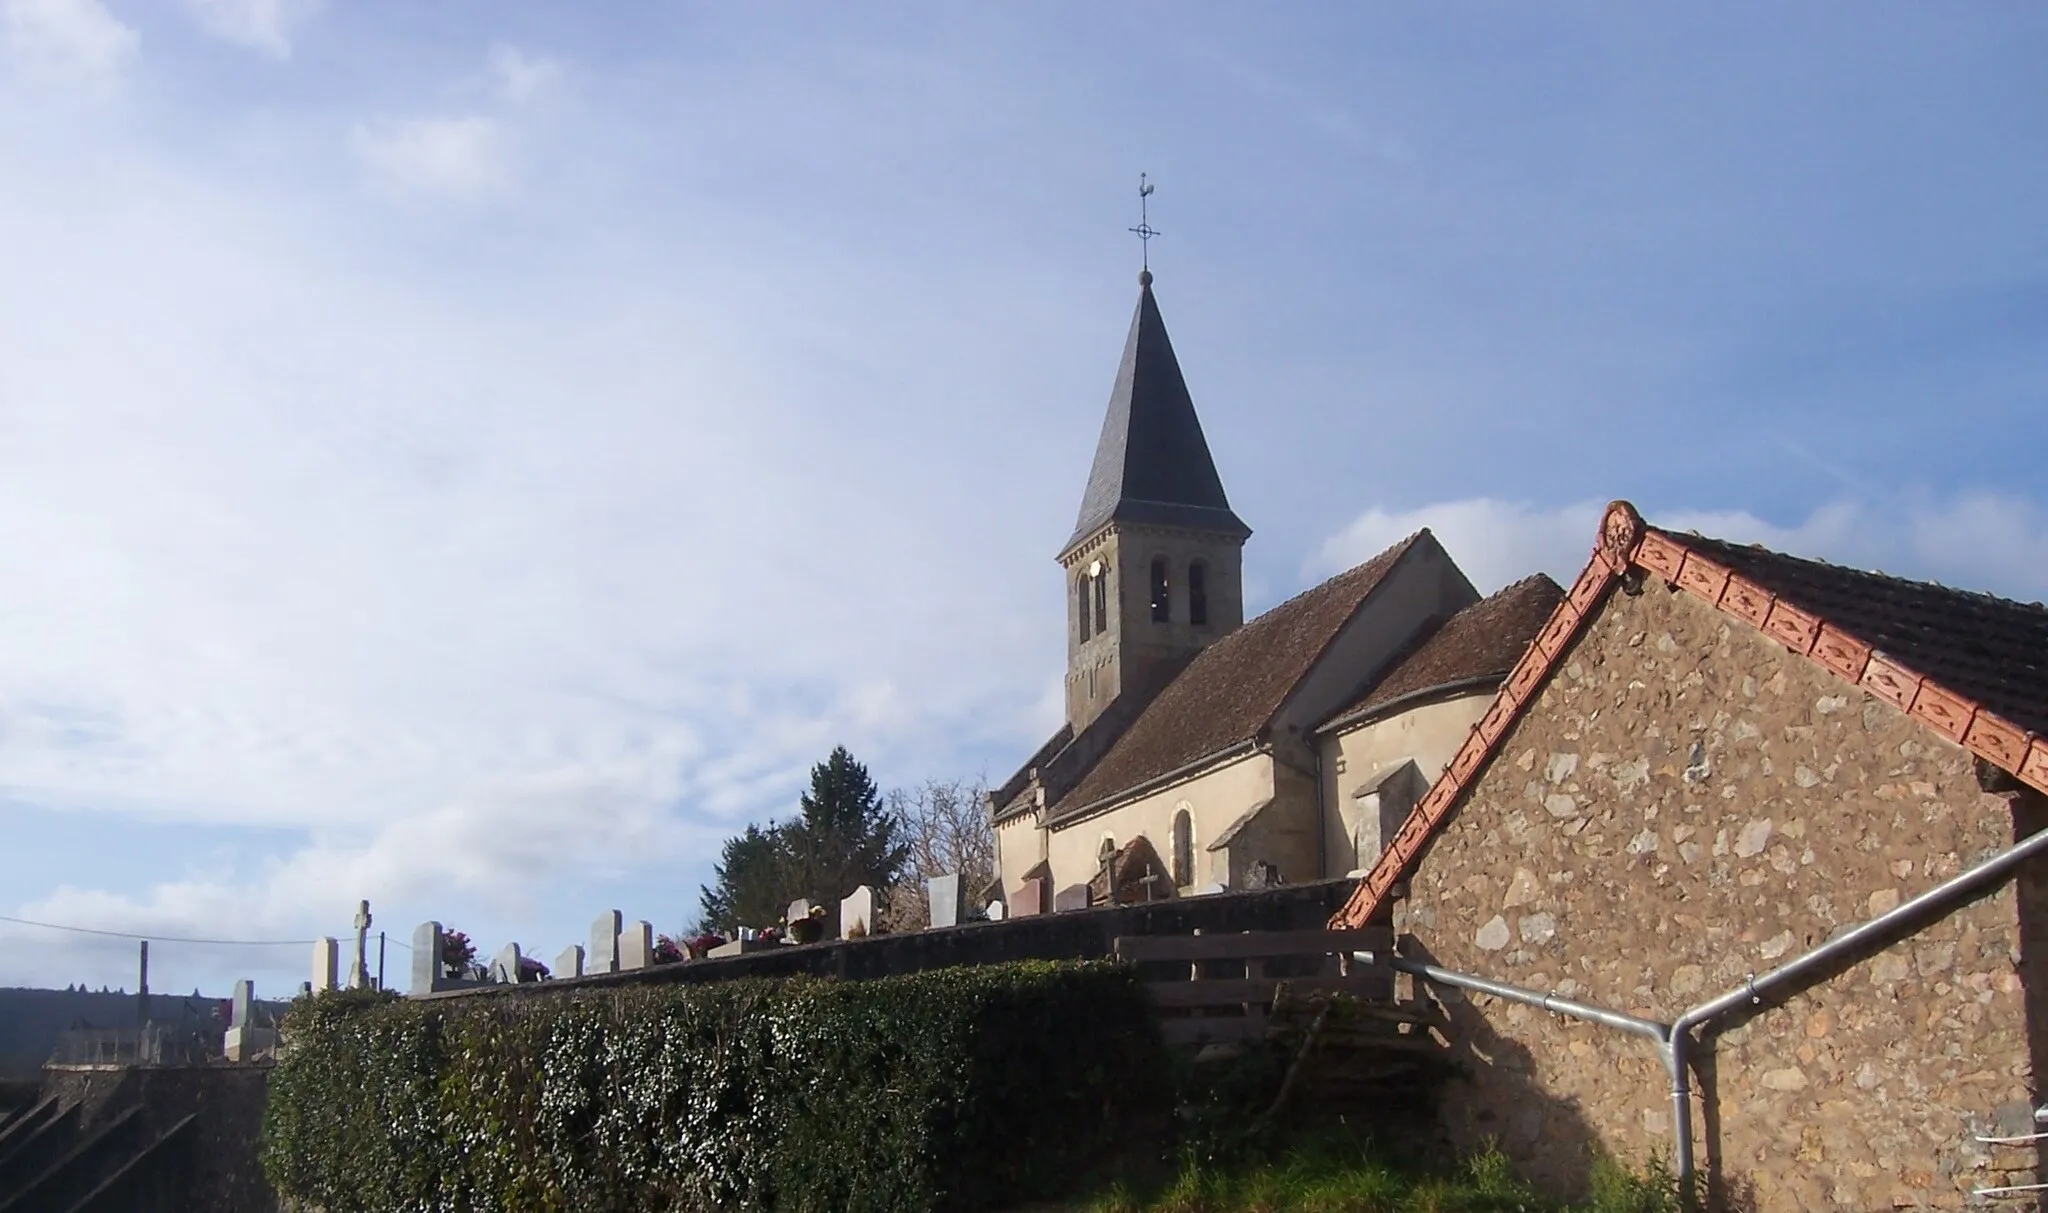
1102,602
1161,612
1183,849
1081,607
1198,593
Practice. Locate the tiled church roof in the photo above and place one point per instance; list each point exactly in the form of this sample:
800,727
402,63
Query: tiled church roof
1232,690
1484,640
1968,666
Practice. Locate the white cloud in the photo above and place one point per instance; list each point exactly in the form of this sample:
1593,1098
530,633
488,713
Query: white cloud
519,76
261,25
1975,541
66,42
463,157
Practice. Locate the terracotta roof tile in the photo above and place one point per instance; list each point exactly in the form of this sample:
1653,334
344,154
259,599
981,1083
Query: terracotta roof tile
1987,649
1486,638
1233,688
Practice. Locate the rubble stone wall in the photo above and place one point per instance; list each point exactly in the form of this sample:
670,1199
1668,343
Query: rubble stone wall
1685,805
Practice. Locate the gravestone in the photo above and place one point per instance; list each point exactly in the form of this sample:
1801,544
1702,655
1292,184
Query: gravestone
1073,897
799,910
636,946
741,947
326,955
1030,899
505,966
426,958
604,944
243,1040
996,911
944,894
859,908
570,962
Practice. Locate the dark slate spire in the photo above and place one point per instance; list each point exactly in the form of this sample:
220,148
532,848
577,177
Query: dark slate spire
1152,464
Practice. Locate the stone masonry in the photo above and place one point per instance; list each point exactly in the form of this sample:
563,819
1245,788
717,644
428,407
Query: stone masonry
1685,805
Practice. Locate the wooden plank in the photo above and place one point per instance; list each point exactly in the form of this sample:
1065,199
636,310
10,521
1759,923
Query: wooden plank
1232,993
1206,1031
1377,940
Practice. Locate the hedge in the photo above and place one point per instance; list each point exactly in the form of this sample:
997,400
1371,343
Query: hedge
959,1089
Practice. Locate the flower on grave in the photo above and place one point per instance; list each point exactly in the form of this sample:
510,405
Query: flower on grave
771,935
531,969
666,951
457,953
702,945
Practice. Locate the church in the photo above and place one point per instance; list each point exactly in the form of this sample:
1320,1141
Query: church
1201,751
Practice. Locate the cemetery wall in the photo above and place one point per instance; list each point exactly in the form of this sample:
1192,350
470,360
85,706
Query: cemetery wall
1071,935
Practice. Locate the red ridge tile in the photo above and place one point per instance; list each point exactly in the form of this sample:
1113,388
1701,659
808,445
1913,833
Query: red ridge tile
1746,600
1997,740
1659,554
1703,578
1841,652
1792,627
1890,681
2035,769
1949,714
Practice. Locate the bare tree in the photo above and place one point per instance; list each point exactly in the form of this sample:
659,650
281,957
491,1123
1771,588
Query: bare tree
945,823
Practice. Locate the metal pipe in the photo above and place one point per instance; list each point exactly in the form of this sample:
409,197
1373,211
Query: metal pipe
1673,1039
1942,897
1548,1002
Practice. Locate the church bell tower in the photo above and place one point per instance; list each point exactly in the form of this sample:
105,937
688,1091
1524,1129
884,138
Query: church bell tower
1154,569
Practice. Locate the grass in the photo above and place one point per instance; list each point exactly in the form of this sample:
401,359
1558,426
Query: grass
1335,1174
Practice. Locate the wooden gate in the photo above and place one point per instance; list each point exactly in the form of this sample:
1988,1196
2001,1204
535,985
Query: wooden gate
1219,988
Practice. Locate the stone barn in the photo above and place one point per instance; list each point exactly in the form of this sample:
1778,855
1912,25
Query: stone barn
1788,807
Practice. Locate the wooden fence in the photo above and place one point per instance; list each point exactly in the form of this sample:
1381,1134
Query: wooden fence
1220,987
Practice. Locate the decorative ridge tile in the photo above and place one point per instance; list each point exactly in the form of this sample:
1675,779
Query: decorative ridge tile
1625,542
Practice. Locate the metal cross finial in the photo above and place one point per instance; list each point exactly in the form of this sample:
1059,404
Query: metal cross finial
1144,231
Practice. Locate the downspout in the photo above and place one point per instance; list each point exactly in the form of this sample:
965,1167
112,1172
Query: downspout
1673,1040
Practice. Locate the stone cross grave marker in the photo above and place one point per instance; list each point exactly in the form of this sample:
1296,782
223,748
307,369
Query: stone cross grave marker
570,962
505,965
326,954
426,959
636,946
243,1006
604,944
359,972
944,892
858,908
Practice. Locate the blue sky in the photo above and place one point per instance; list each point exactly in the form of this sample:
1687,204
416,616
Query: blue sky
477,456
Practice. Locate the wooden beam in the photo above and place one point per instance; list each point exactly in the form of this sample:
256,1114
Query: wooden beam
1377,940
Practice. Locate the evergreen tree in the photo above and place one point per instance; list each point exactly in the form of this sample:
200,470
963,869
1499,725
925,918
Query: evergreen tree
755,881
844,835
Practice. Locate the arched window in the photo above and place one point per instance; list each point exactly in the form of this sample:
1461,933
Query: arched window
1198,593
1161,610
1081,607
1102,600
1183,849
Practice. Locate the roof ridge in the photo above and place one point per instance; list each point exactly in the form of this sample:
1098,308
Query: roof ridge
1627,544
1818,562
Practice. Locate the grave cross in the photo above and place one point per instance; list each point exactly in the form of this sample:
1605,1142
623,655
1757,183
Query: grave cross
360,977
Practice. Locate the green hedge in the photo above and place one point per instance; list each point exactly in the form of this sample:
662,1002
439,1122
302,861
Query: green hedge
966,1088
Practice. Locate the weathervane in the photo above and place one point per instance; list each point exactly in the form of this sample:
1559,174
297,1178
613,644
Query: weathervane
1144,230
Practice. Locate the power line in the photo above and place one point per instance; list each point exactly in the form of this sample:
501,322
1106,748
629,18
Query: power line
226,943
